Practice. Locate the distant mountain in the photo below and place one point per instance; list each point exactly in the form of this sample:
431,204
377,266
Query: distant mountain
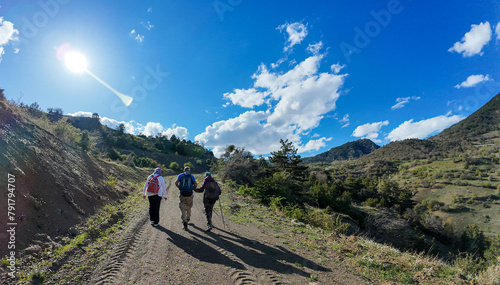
479,127
350,150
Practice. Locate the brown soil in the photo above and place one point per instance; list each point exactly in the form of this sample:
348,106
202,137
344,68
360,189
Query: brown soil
57,186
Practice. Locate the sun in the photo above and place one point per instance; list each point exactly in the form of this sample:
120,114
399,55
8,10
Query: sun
75,61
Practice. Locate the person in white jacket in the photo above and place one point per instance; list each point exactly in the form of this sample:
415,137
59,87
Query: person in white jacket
155,189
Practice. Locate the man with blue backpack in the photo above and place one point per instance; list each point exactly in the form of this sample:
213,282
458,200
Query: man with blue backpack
186,184
155,189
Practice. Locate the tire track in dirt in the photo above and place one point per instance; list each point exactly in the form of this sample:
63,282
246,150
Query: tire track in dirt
240,275
126,246
247,274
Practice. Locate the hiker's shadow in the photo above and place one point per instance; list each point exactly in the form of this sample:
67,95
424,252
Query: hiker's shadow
259,255
198,249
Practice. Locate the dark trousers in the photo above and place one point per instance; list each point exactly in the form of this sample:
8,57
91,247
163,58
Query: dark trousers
209,208
154,208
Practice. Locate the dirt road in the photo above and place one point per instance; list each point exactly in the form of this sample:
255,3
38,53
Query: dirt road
234,254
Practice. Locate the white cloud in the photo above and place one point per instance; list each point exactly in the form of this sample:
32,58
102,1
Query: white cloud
369,130
497,31
345,121
278,63
80,114
401,102
337,67
147,25
315,48
154,129
139,38
136,36
7,34
296,34
248,130
298,99
150,10
132,127
247,98
313,145
473,80
473,41
179,132
424,128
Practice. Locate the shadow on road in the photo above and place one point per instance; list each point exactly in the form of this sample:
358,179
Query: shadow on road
259,255
198,249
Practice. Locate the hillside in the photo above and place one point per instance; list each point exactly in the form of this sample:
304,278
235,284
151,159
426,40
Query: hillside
144,151
347,151
473,128
67,168
56,185
451,181
476,129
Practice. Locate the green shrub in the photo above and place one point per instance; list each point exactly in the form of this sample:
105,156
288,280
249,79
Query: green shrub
85,141
111,182
372,202
116,155
249,191
279,184
145,162
324,195
190,165
66,131
174,166
317,217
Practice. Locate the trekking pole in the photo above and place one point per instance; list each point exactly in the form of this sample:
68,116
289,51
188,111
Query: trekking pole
222,215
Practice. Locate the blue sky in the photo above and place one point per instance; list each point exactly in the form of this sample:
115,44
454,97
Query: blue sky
251,72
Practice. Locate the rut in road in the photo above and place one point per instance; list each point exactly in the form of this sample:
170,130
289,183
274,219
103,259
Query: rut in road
125,247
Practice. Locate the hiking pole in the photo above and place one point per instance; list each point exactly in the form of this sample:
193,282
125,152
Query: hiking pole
222,215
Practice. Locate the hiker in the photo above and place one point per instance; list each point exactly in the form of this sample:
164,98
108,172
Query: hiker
155,189
186,184
212,192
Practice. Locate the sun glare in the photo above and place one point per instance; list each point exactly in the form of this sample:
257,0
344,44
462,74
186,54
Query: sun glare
75,61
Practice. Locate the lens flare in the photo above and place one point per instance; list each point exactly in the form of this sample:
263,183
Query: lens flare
75,61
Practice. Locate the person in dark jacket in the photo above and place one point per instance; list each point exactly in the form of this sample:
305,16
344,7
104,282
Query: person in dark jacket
211,195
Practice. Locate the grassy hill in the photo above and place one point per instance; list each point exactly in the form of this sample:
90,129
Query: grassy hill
474,129
453,178
141,150
350,150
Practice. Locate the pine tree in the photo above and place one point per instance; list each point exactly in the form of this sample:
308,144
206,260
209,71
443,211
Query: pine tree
287,159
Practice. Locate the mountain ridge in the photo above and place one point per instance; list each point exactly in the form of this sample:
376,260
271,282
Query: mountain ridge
449,142
347,151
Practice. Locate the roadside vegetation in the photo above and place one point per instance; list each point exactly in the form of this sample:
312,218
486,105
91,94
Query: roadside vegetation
344,199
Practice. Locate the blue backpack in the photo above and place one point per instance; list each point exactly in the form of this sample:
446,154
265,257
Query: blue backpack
186,185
